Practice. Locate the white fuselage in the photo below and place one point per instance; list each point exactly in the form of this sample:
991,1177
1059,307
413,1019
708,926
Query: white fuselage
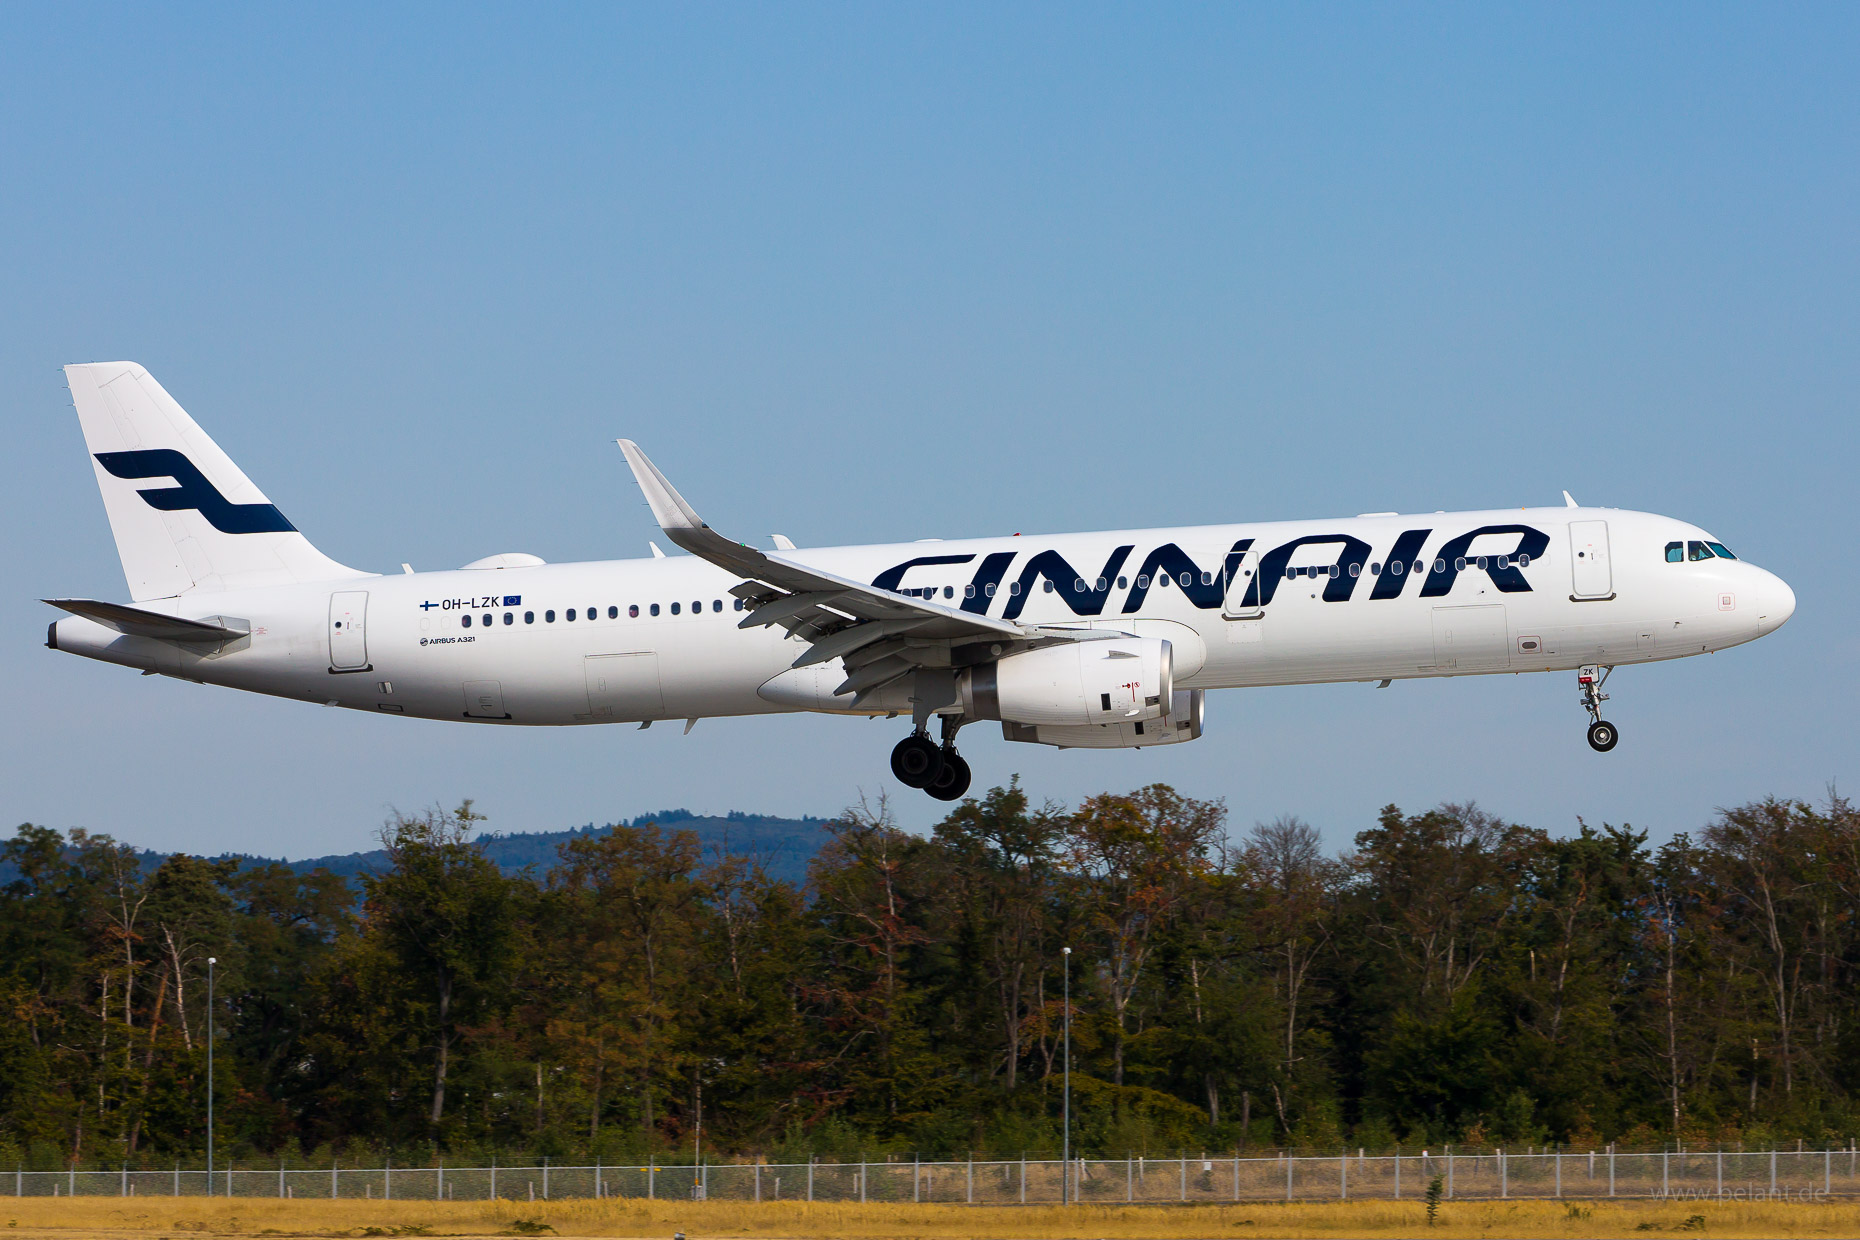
418,644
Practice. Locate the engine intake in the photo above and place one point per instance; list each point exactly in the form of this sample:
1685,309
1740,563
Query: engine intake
1121,680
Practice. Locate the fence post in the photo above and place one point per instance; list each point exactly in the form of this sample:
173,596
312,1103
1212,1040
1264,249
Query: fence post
545,1177
1611,1168
1772,1172
493,1196
1504,1179
1449,1173
1665,1191
1183,1194
1288,1176
917,1175
122,1189
969,1192
71,1179
1129,1177
1398,1173
177,1179
1023,1177
1236,1176
1719,1187
387,1179
758,1181
652,1170
1827,1174
810,1175
862,1174
1559,1172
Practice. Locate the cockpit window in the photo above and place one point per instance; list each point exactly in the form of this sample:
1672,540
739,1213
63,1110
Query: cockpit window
1722,552
1675,552
1697,551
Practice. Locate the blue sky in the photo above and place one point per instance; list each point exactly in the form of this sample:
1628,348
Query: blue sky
878,271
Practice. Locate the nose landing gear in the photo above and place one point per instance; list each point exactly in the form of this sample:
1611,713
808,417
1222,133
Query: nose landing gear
1602,734
919,762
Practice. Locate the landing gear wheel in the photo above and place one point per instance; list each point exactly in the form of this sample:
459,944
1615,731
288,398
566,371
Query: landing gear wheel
1602,736
917,761
953,780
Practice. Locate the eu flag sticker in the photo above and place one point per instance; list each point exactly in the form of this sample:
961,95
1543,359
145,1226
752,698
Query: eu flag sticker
513,600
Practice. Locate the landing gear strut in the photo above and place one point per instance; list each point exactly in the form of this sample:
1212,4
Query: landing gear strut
1602,735
953,780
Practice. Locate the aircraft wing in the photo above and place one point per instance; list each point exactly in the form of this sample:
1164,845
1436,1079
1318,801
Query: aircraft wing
886,633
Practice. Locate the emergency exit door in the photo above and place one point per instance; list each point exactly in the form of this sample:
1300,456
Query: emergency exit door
348,631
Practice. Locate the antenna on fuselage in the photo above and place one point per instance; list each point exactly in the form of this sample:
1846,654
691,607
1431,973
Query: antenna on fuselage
1569,501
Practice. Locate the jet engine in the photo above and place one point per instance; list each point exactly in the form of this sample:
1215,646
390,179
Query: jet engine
1122,680
1182,723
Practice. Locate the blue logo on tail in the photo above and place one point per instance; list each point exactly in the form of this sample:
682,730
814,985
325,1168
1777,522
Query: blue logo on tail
193,492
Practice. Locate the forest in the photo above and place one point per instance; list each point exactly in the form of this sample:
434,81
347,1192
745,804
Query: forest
1450,976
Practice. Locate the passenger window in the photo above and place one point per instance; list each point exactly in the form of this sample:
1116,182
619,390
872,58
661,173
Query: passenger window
1123,583
1335,572
613,613
716,604
1675,553
529,617
1185,581
508,618
1697,551
1143,581
674,609
655,609
466,618
968,591
1356,570
739,604
1014,588
697,607
549,617
1396,566
1103,585
949,592
1375,569
1440,566
1048,585
989,589
632,611
1207,579
571,613
1721,550
1524,561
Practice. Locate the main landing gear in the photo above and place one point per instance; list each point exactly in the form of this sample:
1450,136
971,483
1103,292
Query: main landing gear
919,762
1602,735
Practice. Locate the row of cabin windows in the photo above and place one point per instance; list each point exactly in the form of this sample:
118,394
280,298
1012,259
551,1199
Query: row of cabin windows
1678,553
486,619
1185,580
1396,567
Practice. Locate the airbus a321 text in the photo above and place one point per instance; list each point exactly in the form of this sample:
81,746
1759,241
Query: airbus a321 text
1104,640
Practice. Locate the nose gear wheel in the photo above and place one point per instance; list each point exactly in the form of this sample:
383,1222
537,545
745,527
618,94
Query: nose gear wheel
1602,734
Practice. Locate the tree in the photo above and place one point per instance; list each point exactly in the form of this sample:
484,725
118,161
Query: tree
447,915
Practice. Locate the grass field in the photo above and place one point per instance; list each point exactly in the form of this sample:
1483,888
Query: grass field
113,1217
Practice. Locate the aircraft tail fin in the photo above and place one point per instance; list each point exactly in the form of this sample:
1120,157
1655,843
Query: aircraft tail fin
184,516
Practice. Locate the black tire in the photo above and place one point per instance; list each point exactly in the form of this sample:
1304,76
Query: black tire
953,780
1602,736
916,762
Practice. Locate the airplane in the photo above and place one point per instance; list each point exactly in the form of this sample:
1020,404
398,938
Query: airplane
1093,640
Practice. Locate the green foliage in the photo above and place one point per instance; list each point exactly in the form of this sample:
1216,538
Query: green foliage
1455,978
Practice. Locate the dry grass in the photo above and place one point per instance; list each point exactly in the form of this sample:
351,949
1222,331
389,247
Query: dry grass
56,1219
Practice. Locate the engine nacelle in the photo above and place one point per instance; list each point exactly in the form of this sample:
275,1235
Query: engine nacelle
1182,723
1079,684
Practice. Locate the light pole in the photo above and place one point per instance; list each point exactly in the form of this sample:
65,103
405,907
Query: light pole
1065,1175
211,961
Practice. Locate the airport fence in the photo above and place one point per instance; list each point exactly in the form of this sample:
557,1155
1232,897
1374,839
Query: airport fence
1203,1178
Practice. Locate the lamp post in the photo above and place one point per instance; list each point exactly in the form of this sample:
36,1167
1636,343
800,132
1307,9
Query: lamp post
211,961
1065,1174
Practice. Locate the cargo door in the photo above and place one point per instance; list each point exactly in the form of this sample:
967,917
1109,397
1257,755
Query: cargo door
348,631
624,686
1591,575
1471,639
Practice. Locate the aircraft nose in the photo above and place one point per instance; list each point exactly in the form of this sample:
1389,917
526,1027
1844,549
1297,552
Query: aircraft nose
1775,601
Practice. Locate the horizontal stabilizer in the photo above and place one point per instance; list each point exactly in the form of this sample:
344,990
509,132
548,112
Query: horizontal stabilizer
135,622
